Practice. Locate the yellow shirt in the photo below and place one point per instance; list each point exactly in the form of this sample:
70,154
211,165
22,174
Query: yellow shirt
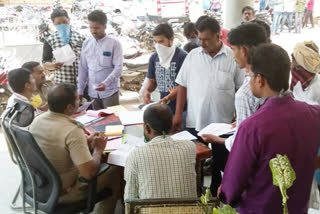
43,92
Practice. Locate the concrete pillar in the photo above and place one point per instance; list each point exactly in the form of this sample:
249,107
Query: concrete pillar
232,12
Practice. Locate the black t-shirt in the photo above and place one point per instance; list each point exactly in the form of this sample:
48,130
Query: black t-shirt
165,78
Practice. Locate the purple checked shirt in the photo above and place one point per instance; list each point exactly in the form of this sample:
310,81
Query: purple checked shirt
100,62
280,126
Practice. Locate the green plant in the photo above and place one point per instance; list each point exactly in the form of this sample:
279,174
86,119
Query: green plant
226,209
283,176
204,201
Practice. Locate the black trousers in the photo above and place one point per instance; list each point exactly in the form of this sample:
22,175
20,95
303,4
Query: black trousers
219,160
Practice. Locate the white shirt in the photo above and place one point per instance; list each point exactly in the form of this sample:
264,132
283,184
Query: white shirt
211,84
311,94
16,96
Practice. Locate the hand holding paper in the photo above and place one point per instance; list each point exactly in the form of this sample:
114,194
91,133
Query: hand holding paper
64,55
216,129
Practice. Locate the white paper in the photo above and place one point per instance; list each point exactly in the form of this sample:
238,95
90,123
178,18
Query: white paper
119,157
216,129
64,55
300,95
131,117
230,132
84,106
84,119
184,135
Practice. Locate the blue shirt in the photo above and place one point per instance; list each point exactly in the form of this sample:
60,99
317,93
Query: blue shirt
165,78
100,62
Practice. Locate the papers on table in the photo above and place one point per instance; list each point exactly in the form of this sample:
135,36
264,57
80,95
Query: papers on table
131,117
115,130
119,157
100,113
87,120
102,127
184,135
117,109
216,129
64,55
113,144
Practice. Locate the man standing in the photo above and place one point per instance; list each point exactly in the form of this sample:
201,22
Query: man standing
64,143
208,80
277,6
64,35
300,4
100,64
164,66
308,14
248,14
163,168
305,81
191,33
280,126
242,40
42,84
288,9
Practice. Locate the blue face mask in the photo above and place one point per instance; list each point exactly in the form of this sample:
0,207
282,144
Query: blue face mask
64,31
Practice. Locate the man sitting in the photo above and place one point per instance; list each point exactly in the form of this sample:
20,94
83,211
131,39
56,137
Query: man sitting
65,145
163,168
42,84
22,84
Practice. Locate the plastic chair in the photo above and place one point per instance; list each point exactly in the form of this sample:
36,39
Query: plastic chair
41,184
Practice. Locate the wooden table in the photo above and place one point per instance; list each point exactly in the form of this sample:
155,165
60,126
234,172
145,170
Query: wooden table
202,151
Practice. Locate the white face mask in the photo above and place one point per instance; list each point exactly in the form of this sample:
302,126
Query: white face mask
165,54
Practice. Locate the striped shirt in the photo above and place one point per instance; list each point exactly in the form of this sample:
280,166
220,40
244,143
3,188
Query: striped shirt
246,104
163,168
211,84
100,62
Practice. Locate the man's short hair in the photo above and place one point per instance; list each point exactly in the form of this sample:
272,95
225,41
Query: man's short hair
163,29
159,117
189,28
57,13
264,25
190,46
206,23
248,34
273,63
98,16
17,79
60,96
247,8
30,65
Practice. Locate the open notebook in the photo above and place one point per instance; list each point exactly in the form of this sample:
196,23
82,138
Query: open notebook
119,156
